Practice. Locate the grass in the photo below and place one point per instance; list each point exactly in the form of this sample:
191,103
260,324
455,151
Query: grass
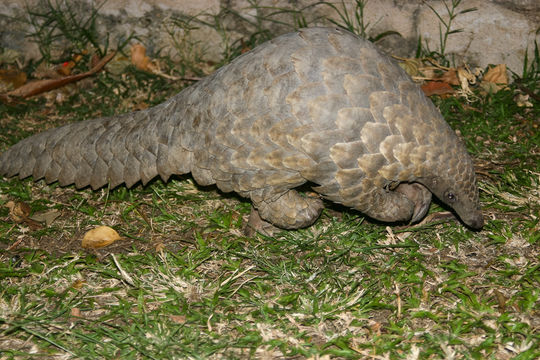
184,282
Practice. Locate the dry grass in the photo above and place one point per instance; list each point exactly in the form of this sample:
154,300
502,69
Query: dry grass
185,282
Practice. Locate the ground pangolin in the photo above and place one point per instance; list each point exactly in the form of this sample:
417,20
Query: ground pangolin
319,106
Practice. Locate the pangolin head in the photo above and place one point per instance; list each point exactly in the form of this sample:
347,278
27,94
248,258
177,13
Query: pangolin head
456,187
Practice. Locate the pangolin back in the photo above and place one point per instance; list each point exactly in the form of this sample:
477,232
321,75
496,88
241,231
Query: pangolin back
320,105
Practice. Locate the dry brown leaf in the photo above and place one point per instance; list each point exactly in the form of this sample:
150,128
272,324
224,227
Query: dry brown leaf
143,62
75,315
450,77
12,78
490,87
45,71
497,75
179,319
501,300
18,211
78,284
245,47
65,68
46,217
139,58
495,79
160,247
437,88
99,237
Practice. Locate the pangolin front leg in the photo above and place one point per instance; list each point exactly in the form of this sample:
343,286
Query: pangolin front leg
420,197
289,210
407,202
293,210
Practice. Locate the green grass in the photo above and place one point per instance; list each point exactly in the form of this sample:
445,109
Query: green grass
184,282
344,287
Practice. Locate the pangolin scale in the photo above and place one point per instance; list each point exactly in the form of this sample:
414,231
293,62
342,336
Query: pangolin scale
319,106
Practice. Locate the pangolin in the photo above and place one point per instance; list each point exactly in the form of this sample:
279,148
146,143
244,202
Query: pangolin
320,106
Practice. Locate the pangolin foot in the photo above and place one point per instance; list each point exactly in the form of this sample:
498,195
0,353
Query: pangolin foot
419,195
290,210
257,225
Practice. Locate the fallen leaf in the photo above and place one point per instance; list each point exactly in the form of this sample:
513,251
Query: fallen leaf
322,357
522,100
18,211
160,247
66,67
45,71
12,78
490,87
139,58
495,79
144,63
99,237
33,225
497,75
501,300
437,88
78,284
179,319
411,66
46,217
245,47
437,216
75,315
450,77
375,326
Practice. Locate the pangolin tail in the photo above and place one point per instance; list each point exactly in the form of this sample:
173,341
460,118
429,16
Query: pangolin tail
114,150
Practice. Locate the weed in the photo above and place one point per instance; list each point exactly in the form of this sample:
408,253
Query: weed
529,80
445,30
63,28
261,25
58,27
356,23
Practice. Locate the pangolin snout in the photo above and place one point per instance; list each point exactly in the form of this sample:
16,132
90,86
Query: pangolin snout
476,222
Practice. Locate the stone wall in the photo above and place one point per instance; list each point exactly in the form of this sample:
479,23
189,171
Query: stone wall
499,31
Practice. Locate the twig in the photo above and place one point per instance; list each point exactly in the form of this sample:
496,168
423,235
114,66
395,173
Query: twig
40,86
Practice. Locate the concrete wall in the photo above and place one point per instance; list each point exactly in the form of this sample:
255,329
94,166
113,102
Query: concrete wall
499,31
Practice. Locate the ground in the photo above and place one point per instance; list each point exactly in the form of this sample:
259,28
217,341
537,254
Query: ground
184,281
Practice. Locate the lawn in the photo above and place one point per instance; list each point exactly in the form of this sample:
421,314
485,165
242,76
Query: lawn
184,281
